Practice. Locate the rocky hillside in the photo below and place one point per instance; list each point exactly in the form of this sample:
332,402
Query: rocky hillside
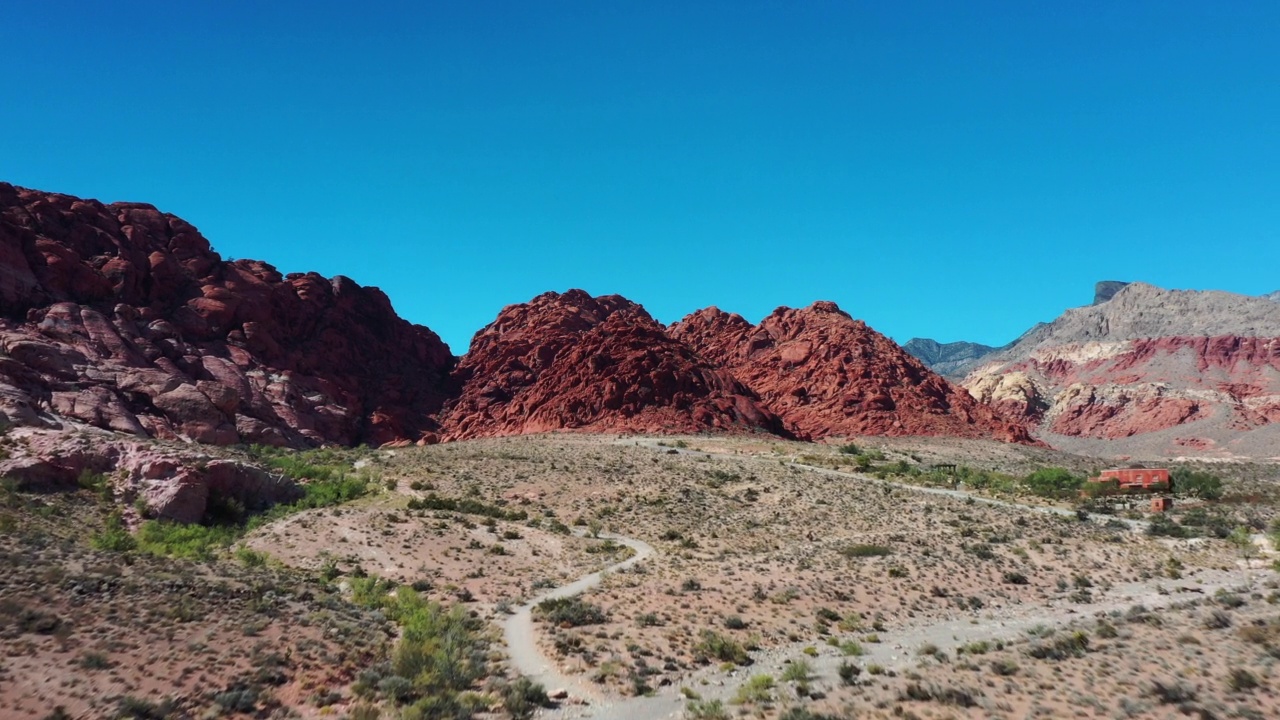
122,317
571,361
1198,369
827,374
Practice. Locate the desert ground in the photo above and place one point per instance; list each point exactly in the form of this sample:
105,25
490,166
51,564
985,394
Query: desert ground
700,577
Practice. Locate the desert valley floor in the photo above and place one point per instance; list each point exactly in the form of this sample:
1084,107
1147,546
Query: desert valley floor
744,576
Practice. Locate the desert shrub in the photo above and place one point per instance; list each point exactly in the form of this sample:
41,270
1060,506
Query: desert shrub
1241,680
94,661
133,708
1004,667
706,710
978,647
1015,578
920,692
982,551
250,558
193,542
850,647
442,652
798,713
721,647
734,622
848,672
861,551
237,700
1164,526
523,697
1217,620
396,688
797,671
1060,648
758,689
571,612
468,506
113,537
1173,693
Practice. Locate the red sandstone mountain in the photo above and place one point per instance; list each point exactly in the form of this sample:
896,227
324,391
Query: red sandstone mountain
827,374
571,361
1168,372
123,317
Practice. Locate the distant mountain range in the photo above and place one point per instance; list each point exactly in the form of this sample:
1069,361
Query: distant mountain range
1154,371
123,318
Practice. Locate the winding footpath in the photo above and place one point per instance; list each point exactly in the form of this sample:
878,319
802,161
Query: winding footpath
896,651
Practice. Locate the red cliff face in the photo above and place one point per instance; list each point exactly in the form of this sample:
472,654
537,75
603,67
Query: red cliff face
829,375
123,317
571,361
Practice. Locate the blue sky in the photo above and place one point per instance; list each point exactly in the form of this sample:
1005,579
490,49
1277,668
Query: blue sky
944,169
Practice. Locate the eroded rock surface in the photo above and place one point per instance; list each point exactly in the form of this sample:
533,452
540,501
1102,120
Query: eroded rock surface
123,317
573,362
830,375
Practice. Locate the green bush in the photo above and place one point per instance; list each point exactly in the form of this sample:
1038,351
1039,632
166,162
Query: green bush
706,710
573,612
523,697
759,689
113,537
861,551
442,652
193,542
1203,485
721,647
1054,482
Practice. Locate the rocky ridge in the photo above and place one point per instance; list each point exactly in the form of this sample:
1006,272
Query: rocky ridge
827,374
571,361
1203,363
123,317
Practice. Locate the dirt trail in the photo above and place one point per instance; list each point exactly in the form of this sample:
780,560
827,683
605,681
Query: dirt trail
522,646
898,647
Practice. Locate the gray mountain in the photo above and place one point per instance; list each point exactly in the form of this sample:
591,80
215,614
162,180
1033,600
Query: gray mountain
1104,290
953,359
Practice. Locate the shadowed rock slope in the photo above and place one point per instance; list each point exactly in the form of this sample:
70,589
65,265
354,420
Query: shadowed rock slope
571,361
827,374
123,317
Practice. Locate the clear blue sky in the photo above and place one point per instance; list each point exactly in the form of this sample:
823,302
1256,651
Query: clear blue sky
957,170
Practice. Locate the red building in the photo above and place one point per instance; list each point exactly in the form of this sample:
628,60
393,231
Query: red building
1136,478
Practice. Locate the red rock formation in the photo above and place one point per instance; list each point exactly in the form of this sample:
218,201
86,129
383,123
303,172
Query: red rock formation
830,375
123,317
172,483
601,364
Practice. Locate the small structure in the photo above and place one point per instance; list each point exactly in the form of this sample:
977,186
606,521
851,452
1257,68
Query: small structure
1125,482
1149,479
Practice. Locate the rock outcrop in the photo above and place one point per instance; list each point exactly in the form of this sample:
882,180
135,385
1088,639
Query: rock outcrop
827,374
1104,290
1147,361
573,362
165,481
123,317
